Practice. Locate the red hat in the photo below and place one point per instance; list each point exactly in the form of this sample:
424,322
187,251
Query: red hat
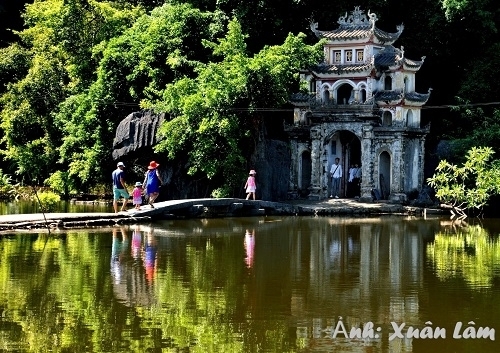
153,165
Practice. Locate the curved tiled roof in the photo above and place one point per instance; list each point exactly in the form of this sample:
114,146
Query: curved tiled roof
338,69
391,56
413,64
388,96
388,56
394,96
301,97
358,26
415,97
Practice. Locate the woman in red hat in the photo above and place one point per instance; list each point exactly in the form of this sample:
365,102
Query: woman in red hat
152,182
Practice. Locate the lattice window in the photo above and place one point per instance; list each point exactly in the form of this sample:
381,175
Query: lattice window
360,57
337,56
348,56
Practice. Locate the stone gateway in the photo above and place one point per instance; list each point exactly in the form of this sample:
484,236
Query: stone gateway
361,107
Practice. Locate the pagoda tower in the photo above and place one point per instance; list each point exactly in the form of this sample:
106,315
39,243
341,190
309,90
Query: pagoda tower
361,107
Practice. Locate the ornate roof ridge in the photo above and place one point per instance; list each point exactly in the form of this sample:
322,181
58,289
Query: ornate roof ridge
360,26
357,18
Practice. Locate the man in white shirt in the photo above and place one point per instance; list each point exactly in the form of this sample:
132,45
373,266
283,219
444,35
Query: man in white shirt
335,174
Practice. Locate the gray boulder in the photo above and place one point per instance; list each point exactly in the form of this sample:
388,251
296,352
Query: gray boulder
136,131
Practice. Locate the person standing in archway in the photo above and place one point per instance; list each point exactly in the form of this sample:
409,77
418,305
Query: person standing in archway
152,182
354,180
336,175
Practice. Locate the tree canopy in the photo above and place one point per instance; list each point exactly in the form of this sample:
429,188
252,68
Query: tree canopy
78,67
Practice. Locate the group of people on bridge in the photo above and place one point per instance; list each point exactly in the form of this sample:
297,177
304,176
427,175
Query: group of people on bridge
150,187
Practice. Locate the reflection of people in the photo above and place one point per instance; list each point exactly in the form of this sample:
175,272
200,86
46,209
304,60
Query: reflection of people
118,248
335,174
136,243
137,195
119,187
150,250
152,182
249,247
250,185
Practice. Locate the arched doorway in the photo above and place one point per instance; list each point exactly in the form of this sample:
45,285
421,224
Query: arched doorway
409,118
384,175
305,173
326,96
344,94
388,83
346,146
387,118
362,95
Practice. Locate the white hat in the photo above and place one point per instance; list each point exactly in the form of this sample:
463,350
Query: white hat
120,164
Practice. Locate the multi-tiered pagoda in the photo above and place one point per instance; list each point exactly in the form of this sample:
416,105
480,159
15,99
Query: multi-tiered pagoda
361,106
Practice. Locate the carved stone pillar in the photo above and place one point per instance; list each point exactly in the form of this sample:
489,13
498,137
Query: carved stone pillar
367,164
316,166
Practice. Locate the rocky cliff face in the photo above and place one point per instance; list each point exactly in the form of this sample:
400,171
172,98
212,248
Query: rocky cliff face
272,163
137,131
136,136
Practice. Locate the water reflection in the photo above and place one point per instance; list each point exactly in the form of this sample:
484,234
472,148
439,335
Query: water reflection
133,267
196,285
24,206
150,251
470,253
249,244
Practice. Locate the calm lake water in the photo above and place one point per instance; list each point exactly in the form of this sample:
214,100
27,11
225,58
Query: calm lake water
21,207
288,284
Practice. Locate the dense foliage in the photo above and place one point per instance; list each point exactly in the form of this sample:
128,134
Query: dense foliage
469,186
79,67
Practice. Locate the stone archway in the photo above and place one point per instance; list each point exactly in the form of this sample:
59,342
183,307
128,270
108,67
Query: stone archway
305,173
346,146
384,180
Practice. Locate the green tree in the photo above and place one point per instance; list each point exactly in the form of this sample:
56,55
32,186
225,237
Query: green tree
57,62
214,117
470,186
138,63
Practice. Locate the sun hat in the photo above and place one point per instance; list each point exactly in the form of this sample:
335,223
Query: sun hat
153,165
252,172
138,183
120,164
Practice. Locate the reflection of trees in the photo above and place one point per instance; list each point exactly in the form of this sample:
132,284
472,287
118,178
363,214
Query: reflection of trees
60,294
63,297
470,251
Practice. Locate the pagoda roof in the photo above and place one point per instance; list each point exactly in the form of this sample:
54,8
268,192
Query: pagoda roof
414,98
395,97
301,98
393,57
328,69
358,26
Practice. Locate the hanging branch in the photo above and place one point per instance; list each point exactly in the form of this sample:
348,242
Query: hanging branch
41,208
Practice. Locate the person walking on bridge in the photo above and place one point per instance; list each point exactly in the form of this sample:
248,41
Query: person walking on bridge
250,185
119,187
152,182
